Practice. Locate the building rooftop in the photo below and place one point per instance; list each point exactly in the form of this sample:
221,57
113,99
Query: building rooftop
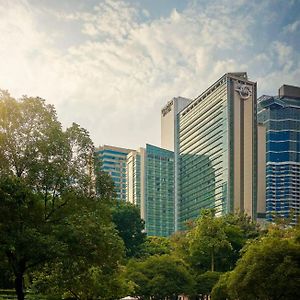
289,91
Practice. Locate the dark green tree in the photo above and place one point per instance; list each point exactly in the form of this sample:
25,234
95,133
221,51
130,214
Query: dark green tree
268,269
205,282
90,266
159,277
49,205
130,226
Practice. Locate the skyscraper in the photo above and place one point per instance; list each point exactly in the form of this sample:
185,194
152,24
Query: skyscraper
281,117
114,163
169,125
216,153
169,135
150,185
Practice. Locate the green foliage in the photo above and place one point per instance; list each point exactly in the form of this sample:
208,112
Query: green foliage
220,289
215,242
268,269
156,245
206,240
206,281
159,277
105,188
130,227
90,267
53,217
179,243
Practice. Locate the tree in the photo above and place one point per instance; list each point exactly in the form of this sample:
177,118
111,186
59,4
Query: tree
215,242
130,226
205,282
206,240
47,187
220,289
159,277
268,269
90,266
156,245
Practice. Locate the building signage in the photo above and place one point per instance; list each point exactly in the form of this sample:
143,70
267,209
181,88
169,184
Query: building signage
244,91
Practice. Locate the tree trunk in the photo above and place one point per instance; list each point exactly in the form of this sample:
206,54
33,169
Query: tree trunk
19,286
212,261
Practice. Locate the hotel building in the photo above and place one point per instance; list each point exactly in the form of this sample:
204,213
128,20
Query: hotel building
150,186
113,161
280,116
216,150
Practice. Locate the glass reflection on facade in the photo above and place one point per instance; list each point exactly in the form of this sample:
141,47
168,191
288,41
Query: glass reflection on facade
114,163
216,156
281,117
203,156
159,191
150,185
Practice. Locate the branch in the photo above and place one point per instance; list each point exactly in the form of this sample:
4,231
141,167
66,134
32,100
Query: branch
75,295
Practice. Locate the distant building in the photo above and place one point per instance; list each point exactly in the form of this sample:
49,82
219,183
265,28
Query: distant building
114,163
169,123
169,135
150,186
281,117
216,158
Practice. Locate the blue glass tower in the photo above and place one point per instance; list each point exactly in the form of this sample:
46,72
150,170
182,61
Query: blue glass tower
281,117
114,163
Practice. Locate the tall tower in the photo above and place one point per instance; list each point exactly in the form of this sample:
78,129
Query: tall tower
114,163
169,121
281,117
169,137
216,155
150,185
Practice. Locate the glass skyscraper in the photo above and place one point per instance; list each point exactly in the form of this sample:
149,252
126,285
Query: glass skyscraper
281,117
113,161
216,150
150,185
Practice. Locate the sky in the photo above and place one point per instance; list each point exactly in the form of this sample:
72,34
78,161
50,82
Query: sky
111,65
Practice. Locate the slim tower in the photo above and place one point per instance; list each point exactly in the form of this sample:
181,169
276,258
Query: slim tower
114,163
150,185
281,117
216,157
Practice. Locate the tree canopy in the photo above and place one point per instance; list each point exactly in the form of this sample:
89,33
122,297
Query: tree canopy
158,277
54,218
130,226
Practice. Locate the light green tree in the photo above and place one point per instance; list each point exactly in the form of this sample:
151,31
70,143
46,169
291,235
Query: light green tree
207,239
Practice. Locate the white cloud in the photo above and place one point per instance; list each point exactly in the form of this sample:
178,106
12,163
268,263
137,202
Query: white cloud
292,27
115,81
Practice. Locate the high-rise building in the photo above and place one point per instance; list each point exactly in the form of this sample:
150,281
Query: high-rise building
281,117
216,157
169,135
150,185
113,161
169,125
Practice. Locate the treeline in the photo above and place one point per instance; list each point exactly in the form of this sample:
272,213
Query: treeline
62,236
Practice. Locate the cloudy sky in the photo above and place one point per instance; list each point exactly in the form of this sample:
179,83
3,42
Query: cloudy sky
110,65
